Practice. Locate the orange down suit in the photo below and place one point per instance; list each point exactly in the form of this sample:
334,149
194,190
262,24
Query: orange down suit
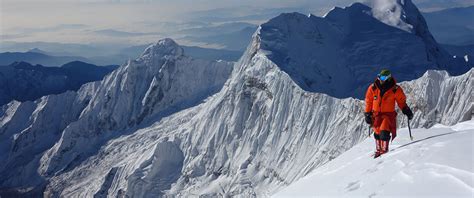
383,107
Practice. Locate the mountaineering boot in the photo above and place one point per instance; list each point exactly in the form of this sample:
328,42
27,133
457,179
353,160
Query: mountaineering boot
384,145
384,141
378,148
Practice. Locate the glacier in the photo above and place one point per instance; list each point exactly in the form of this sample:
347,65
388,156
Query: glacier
166,124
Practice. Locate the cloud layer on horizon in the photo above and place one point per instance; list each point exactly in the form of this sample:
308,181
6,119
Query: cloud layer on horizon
133,22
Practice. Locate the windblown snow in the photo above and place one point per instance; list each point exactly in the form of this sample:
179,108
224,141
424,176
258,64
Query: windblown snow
166,124
438,163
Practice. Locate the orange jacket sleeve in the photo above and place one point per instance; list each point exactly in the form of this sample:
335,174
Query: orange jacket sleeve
369,99
400,98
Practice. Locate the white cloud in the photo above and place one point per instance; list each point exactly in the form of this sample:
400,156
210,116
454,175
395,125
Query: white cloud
391,13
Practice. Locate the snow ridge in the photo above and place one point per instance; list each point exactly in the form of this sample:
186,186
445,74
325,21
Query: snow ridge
440,98
127,98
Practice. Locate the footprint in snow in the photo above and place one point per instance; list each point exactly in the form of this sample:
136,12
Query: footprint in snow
353,186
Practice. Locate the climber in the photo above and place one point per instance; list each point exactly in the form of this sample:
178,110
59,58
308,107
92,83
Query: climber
380,109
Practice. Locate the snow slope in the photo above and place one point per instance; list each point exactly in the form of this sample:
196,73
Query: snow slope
438,163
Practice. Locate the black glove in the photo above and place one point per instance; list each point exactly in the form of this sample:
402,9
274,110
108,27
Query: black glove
368,117
407,111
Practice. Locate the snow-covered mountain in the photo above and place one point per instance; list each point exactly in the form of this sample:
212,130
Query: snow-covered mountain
340,53
143,130
438,163
259,134
162,81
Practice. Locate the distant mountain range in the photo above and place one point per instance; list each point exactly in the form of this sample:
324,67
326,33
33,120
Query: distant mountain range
41,57
23,81
37,56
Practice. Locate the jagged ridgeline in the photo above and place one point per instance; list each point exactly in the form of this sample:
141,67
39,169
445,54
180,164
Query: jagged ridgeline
168,124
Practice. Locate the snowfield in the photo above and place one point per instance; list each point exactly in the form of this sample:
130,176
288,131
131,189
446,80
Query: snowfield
439,162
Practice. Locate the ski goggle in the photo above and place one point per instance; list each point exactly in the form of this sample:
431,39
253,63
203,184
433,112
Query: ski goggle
384,78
